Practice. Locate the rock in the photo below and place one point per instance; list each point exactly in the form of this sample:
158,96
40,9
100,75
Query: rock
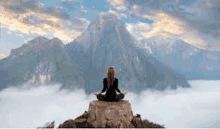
68,124
112,124
111,114
85,115
107,115
137,122
51,125
147,124
47,125
80,122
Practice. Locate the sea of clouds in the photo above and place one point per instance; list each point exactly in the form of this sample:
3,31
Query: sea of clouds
194,107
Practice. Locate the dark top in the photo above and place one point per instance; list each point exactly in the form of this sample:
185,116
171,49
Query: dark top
110,92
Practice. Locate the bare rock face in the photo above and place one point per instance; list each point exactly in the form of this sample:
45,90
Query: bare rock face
103,114
68,124
110,114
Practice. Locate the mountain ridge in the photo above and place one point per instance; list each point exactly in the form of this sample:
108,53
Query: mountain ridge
192,62
114,46
36,44
83,62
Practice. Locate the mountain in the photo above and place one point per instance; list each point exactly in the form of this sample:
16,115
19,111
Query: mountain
106,43
40,61
83,63
36,44
188,60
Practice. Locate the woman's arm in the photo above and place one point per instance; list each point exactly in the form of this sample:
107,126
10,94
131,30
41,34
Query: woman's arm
104,85
116,85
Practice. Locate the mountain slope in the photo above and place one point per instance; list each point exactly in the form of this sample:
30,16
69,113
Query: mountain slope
106,42
190,61
38,65
83,63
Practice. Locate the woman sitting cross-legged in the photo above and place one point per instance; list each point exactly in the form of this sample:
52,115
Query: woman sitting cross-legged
111,85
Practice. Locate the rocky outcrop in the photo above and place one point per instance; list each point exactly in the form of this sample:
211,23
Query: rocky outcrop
80,121
109,115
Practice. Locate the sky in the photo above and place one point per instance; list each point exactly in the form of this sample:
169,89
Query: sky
196,107
197,22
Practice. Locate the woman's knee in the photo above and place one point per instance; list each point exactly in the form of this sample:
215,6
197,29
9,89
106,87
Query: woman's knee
100,97
120,96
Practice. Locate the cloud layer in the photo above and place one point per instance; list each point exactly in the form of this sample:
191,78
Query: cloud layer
194,21
32,17
196,107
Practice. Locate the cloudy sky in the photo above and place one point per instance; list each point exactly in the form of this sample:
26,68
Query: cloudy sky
197,22
196,107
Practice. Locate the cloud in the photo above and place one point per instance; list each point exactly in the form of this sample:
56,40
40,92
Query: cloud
116,2
163,23
195,107
117,13
138,29
194,21
34,18
203,17
3,55
166,26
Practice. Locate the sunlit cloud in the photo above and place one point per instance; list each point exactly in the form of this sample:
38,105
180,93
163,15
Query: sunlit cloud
137,29
34,20
118,4
166,26
3,55
42,27
129,27
194,21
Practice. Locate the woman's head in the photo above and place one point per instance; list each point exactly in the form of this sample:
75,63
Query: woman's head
110,76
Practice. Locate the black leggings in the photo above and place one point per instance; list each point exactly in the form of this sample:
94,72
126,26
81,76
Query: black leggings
104,98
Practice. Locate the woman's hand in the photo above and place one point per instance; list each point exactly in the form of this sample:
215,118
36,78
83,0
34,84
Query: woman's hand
124,93
99,94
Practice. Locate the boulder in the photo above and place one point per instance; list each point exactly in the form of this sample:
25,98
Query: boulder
80,121
51,125
137,122
68,124
110,114
84,115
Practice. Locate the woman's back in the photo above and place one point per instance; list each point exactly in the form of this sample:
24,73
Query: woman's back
110,85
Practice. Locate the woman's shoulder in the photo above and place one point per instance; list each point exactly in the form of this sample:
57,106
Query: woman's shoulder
106,78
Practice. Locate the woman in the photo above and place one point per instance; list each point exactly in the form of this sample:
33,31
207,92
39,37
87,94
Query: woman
110,84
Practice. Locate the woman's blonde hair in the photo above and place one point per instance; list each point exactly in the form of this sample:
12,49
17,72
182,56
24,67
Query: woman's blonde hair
110,76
